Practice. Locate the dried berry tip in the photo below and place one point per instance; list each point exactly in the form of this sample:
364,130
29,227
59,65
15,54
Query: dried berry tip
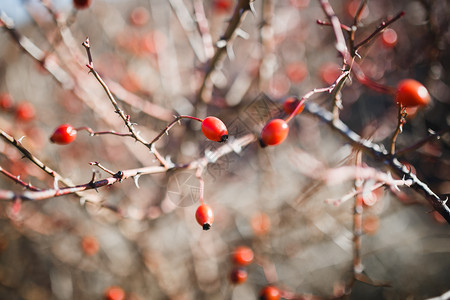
206,226
224,138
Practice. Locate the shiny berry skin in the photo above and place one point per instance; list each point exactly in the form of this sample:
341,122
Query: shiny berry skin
290,104
114,293
214,129
205,216
274,133
411,93
81,4
242,256
25,111
63,135
238,275
270,293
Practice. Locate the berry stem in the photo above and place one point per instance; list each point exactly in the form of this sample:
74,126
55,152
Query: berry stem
171,124
398,130
302,101
118,110
92,132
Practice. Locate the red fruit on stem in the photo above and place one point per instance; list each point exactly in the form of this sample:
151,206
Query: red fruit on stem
389,38
63,135
290,104
238,275
274,133
270,293
410,93
25,111
114,293
204,216
214,129
81,4
242,256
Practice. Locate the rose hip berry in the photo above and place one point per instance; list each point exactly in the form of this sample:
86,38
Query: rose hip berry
214,129
63,135
81,4
238,275
290,104
204,216
274,133
270,293
410,93
242,256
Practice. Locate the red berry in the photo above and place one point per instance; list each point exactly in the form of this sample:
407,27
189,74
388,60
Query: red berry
114,293
63,135
270,293
410,92
238,275
290,104
274,133
6,102
243,256
389,38
25,111
205,216
214,129
81,4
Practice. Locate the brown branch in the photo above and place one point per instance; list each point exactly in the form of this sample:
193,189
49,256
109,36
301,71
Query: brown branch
223,45
18,180
341,45
379,153
380,28
171,124
34,159
398,130
118,110
201,163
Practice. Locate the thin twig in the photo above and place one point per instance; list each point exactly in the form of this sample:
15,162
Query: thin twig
17,179
223,47
171,124
379,153
398,130
433,135
118,110
380,28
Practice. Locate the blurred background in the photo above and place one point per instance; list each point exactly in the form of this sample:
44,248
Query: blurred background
146,240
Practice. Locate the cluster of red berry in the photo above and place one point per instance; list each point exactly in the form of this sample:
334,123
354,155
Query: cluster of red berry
409,93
